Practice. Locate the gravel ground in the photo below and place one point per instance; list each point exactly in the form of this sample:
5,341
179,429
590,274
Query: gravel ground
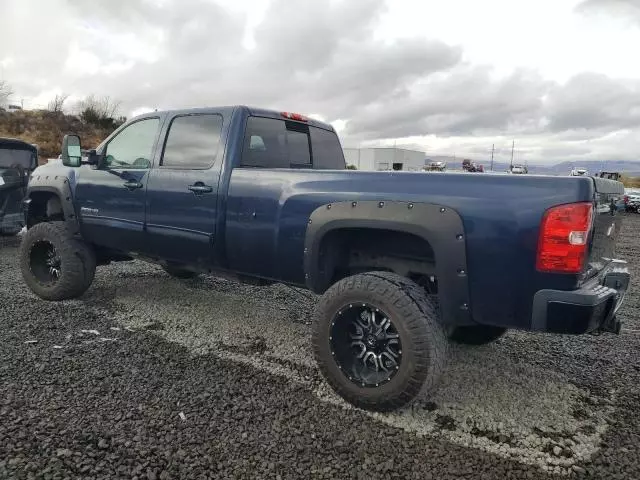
149,377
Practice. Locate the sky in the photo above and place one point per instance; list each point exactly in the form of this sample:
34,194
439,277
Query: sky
558,77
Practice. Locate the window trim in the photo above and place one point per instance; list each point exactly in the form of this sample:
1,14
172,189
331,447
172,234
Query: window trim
307,133
166,137
104,149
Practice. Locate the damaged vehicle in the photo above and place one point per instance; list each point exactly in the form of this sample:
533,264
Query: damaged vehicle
17,160
403,264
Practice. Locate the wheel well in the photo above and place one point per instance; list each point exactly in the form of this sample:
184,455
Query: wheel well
44,206
349,251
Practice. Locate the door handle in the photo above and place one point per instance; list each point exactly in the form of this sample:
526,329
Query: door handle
199,188
132,185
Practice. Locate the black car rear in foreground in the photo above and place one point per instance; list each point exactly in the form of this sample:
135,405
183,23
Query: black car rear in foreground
17,160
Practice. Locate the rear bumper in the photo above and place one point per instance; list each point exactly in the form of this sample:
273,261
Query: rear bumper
591,308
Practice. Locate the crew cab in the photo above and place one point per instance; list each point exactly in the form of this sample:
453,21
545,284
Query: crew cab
403,262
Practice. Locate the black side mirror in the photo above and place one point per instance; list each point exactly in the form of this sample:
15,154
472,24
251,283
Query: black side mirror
71,151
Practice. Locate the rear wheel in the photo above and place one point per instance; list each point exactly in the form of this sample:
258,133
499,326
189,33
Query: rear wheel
378,341
54,264
477,334
179,272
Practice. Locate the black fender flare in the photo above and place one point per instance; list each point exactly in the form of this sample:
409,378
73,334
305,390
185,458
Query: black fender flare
439,225
59,186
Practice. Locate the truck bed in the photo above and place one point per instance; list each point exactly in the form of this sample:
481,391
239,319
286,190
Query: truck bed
501,215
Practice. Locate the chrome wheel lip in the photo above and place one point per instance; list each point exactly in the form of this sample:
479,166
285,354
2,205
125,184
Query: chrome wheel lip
382,321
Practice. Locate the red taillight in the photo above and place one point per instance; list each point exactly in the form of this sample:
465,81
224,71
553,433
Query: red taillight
295,116
564,234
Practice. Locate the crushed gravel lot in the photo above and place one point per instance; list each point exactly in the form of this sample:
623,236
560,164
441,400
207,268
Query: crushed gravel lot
149,377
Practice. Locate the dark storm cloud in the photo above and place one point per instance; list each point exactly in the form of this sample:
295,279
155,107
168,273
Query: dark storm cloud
317,57
593,101
466,101
311,57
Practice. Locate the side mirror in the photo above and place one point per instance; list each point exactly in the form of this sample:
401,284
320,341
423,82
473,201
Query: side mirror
71,151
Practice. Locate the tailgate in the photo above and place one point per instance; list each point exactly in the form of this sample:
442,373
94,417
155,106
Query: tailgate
609,199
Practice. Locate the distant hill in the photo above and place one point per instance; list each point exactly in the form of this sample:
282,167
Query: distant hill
46,129
629,168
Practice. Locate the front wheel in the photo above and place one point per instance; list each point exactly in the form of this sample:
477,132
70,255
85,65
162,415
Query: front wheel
378,341
54,264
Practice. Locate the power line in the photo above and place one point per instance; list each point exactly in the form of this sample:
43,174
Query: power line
493,147
513,144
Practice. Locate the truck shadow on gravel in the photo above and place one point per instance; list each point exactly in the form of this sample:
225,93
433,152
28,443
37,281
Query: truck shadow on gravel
489,398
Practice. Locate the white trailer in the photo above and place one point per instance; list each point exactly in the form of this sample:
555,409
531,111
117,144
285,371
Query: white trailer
385,159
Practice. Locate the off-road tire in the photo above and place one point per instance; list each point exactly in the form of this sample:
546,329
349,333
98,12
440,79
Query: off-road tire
179,272
477,334
78,262
423,339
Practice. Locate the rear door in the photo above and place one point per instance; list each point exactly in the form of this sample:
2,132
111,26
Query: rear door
183,190
274,152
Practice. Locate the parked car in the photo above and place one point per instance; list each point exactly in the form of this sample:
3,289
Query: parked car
632,200
437,166
469,166
519,170
576,172
610,175
17,160
403,262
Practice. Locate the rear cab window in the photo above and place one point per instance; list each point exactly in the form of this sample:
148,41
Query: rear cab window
274,143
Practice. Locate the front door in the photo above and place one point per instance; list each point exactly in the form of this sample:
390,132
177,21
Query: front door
111,200
183,190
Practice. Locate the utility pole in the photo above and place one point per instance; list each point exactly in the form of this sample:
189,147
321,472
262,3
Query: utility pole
493,147
513,144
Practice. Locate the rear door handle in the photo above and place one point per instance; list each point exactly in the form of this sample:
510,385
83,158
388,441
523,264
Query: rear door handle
132,184
200,188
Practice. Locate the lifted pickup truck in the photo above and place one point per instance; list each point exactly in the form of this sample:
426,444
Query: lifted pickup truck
17,160
404,262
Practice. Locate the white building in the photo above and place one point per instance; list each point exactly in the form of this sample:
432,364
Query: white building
385,158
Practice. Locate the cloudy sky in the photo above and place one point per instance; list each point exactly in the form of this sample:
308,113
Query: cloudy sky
561,77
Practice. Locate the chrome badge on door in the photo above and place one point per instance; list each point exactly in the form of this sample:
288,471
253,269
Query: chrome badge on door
89,211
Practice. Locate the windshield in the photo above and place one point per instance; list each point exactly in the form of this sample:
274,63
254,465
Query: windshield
13,156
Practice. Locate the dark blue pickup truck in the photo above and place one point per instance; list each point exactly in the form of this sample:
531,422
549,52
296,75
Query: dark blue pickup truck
404,262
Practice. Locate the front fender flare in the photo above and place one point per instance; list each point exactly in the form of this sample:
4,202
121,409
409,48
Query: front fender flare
60,186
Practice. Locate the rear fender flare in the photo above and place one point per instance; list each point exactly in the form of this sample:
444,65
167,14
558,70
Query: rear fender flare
439,225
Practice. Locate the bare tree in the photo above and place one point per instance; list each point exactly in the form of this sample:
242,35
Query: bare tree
102,107
5,92
57,104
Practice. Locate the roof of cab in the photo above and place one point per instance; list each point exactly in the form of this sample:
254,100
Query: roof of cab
16,143
253,111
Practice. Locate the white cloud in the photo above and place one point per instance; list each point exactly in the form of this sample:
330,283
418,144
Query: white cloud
451,77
